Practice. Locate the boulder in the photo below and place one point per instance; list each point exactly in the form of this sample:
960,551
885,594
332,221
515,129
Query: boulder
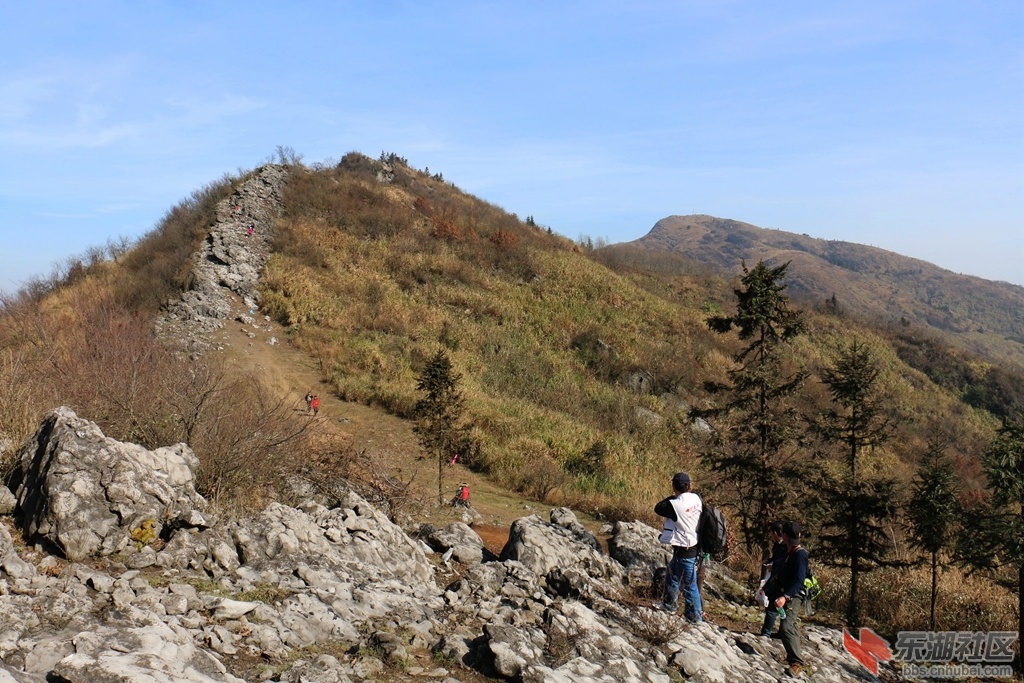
8,502
635,546
10,563
542,546
87,494
465,544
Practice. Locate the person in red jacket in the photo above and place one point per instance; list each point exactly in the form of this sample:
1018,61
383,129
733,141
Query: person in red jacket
315,404
462,496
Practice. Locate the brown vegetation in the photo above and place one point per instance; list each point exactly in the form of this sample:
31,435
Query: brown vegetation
579,367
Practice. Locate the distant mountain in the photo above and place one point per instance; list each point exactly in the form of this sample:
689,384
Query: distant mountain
981,316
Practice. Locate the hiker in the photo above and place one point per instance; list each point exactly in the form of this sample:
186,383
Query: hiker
681,512
309,402
251,230
461,496
315,404
774,567
786,594
455,459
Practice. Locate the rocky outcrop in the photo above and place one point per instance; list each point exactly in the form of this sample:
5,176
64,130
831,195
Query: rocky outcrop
326,595
456,541
233,255
562,544
90,495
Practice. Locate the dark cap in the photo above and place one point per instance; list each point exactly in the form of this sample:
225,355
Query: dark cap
792,530
681,481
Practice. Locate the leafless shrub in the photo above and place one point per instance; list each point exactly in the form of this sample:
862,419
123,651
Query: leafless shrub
104,361
562,640
247,440
652,625
334,469
542,478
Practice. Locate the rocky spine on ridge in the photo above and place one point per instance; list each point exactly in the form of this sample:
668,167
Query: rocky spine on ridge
233,255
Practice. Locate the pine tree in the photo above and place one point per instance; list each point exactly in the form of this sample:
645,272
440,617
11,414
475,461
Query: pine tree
934,511
756,427
855,508
859,422
439,414
995,537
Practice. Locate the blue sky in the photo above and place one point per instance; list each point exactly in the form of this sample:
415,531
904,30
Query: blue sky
895,124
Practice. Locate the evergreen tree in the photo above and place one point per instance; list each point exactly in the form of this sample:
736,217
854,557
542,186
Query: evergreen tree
439,414
934,511
996,530
859,422
855,508
756,427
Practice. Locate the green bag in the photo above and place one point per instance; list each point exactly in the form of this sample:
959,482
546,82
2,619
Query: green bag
812,588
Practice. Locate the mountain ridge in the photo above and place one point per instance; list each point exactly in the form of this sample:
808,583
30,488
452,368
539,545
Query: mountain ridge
982,316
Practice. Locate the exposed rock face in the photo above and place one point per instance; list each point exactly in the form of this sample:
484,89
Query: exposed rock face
562,544
457,541
86,493
233,256
288,582
634,547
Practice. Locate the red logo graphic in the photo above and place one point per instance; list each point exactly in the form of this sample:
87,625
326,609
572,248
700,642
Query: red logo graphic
869,650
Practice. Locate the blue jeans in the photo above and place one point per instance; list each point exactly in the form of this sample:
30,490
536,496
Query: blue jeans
682,572
771,614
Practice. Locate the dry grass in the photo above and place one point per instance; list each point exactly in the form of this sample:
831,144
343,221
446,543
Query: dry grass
370,279
899,600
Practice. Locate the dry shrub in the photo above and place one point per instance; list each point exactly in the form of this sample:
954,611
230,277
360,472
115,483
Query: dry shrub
246,441
91,353
446,229
746,565
543,477
159,266
333,469
898,599
504,240
423,205
23,393
651,625
562,640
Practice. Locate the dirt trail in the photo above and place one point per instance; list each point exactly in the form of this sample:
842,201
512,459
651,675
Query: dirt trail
389,439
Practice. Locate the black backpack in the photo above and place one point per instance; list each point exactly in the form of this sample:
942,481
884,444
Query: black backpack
712,533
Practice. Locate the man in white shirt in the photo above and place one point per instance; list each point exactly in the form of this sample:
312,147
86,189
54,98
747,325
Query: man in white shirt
682,513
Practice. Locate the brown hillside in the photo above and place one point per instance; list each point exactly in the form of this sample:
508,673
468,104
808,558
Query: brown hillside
974,314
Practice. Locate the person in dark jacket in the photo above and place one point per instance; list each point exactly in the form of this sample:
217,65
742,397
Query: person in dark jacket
774,566
681,512
787,595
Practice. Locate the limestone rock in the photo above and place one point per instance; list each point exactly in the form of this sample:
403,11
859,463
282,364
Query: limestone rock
8,501
86,494
542,547
458,538
635,546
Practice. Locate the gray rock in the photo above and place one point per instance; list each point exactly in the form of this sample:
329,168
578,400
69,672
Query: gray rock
10,563
286,582
231,609
86,494
8,501
635,546
457,540
542,547
231,259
